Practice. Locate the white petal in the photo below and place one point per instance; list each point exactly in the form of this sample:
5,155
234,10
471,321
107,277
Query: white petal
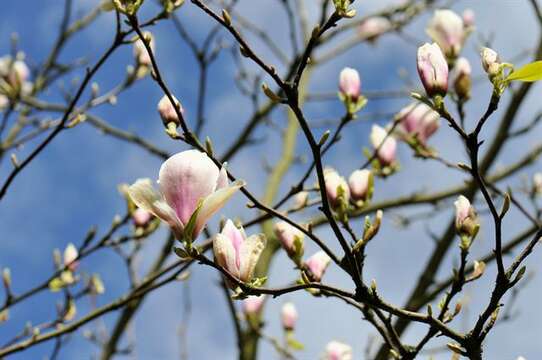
250,252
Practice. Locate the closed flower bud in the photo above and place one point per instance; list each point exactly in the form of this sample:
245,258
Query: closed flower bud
70,254
317,265
336,188
337,351
418,120
469,18
537,183
301,199
253,304
373,27
291,239
141,218
466,220
289,316
140,51
433,70
462,83
490,61
360,183
446,28
350,83
384,144
236,252
168,112
15,72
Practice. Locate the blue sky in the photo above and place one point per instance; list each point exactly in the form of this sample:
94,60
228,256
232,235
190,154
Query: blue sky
72,186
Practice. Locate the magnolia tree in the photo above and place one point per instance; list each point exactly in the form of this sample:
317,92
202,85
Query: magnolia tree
305,209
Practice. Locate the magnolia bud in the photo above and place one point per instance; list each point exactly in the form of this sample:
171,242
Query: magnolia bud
6,278
167,110
446,28
291,239
418,120
70,254
384,144
462,83
373,27
301,199
490,61
141,218
360,184
433,70
350,83
253,304
537,183
140,51
317,265
338,351
336,188
468,18
466,220
289,316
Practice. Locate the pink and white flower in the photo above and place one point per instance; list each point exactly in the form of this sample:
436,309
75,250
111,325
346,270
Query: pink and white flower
419,120
289,316
350,83
385,145
317,265
287,235
336,350
433,69
253,304
447,29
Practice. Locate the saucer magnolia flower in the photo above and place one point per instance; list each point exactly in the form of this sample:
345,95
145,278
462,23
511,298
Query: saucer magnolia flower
360,183
140,51
337,351
418,120
490,61
253,304
468,17
336,187
167,110
385,144
433,70
446,28
466,221
70,254
192,190
289,316
350,83
291,239
141,218
237,253
373,27
317,265
462,83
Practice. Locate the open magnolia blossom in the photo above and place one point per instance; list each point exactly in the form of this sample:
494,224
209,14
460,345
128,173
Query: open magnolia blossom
192,190
289,316
418,120
336,350
384,144
447,29
253,304
236,252
433,69
317,265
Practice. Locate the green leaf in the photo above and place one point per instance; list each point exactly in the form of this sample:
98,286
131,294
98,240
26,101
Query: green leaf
295,345
530,72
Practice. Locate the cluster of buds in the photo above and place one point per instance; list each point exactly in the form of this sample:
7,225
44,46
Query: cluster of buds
462,82
385,146
316,265
350,90
417,123
371,28
291,239
450,31
169,114
192,190
342,8
466,221
237,253
336,350
14,75
141,54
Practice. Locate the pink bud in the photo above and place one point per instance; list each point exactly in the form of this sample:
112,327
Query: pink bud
468,17
190,185
140,51
141,217
490,61
335,185
317,265
446,28
418,119
338,351
70,254
462,83
359,182
253,304
167,110
289,316
462,209
350,83
373,27
287,234
466,221
237,253
433,70
385,143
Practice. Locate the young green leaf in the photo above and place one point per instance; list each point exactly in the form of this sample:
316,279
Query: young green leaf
530,72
